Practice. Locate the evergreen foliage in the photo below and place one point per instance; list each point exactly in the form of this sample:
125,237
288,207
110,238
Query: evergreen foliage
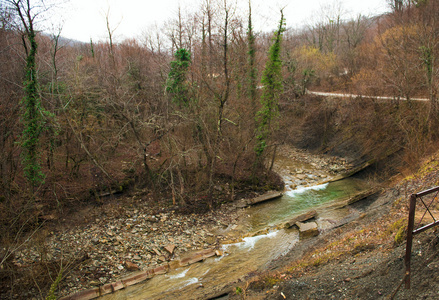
272,88
32,117
176,85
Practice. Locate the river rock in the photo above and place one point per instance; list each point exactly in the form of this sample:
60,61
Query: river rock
161,270
302,218
242,203
170,248
130,266
308,229
156,251
95,283
152,219
136,234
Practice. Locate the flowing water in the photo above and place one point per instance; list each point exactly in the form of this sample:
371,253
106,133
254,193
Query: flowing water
254,252
301,200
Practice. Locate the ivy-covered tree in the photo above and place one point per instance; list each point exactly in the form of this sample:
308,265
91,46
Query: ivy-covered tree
176,85
272,88
32,115
32,118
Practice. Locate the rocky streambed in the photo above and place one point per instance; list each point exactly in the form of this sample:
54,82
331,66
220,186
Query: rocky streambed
119,239
113,246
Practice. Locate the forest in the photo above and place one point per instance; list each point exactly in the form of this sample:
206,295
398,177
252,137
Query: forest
194,113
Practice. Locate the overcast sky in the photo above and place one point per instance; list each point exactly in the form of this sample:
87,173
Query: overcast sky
85,19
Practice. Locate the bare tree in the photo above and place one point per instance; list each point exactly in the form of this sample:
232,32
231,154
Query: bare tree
398,5
353,34
324,34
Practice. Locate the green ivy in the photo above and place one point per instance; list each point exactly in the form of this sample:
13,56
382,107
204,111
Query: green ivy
272,88
32,119
176,84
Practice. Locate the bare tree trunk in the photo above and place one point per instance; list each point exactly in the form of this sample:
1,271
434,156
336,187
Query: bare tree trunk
222,98
273,158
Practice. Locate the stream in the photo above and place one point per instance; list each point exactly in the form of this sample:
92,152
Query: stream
260,237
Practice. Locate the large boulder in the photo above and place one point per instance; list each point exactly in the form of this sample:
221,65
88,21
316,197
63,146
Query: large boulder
308,229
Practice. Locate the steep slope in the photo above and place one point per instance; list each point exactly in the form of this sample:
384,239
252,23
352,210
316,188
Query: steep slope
363,259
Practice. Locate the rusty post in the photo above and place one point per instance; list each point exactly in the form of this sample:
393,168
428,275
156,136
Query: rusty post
408,248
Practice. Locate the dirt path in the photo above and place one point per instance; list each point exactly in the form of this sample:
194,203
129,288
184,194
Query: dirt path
346,95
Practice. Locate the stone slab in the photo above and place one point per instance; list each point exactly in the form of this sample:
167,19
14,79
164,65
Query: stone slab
308,229
83,295
191,260
197,257
174,264
302,218
118,285
265,197
161,270
137,277
106,289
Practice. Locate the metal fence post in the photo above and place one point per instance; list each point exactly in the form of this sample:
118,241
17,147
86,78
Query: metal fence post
408,248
